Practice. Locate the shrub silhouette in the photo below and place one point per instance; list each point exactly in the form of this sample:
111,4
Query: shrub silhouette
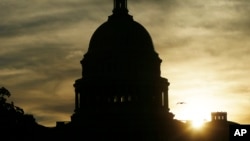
11,115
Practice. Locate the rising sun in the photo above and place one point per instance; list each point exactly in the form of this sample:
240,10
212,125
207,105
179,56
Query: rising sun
194,111
197,124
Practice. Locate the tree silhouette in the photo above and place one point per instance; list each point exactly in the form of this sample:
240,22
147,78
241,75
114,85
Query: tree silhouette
3,94
11,115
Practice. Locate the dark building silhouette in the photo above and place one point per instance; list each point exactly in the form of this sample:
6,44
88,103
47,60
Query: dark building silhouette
121,89
121,69
219,116
218,128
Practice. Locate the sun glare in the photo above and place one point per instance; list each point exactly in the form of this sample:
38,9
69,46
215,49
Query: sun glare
197,124
195,112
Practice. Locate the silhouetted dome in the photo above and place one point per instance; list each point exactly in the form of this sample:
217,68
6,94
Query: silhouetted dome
121,47
121,33
121,89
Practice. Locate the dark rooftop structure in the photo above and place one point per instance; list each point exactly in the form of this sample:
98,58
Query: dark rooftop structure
121,88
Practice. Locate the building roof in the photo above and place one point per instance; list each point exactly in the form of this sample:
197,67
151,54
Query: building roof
121,32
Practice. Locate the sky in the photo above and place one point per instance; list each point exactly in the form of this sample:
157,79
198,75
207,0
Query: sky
204,46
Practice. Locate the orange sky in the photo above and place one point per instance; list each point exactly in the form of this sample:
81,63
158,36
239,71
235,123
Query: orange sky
204,46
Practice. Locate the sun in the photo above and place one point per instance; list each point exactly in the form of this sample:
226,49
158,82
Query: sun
195,112
197,124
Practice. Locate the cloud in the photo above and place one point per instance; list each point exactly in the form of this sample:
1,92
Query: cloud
42,42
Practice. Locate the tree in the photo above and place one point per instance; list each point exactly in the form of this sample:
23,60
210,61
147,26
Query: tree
3,94
11,115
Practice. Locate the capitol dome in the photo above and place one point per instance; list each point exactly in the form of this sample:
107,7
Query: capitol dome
120,75
121,33
121,47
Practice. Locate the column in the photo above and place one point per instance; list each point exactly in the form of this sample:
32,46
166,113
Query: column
165,91
76,100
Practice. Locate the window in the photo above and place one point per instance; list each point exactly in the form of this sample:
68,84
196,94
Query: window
123,99
115,99
129,98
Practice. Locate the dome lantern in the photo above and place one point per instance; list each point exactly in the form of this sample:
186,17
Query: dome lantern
120,7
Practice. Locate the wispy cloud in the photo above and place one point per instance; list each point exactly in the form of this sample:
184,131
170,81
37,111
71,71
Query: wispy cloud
203,44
